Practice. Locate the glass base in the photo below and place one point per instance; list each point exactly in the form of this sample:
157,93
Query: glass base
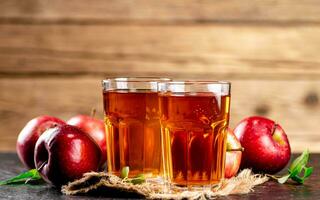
189,186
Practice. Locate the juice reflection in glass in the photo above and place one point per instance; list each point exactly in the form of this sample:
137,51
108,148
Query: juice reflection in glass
132,125
194,117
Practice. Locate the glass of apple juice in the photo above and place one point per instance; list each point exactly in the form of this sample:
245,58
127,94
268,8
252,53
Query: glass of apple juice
132,125
194,116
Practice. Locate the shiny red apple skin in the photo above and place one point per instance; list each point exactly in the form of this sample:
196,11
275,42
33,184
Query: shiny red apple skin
65,153
266,146
29,135
233,158
95,128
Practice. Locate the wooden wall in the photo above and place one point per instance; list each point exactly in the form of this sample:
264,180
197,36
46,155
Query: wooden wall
53,55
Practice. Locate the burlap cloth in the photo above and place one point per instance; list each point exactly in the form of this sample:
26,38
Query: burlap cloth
104,184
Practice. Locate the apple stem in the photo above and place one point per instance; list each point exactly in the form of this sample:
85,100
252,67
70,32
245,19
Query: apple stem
274,128
93,112
238,149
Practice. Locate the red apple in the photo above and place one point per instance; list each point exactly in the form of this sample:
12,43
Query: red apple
64,153
95,128
233,155
29,136
266,146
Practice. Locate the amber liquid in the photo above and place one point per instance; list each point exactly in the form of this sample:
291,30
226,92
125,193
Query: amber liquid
133,132
193,131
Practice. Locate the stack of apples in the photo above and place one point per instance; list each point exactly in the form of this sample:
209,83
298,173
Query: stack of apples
64,151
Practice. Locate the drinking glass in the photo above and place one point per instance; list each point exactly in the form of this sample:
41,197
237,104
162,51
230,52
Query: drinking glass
194,116
132,125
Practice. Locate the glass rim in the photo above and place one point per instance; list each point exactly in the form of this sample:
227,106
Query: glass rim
136,79
197,82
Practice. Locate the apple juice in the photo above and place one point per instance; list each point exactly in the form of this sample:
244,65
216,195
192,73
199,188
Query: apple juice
133,131
193,131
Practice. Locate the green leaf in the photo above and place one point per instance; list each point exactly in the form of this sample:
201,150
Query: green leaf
298,164
297,179
296,168
23,178
302,159
307,172
124,172
283,179
138,179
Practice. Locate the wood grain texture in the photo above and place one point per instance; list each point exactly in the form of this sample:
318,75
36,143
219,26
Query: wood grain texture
165,11
54,53
24,98
217,51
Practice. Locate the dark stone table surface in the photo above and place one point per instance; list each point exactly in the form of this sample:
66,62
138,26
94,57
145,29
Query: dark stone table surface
11,166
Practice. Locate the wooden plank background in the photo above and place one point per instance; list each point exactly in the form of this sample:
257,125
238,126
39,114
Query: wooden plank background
53,55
